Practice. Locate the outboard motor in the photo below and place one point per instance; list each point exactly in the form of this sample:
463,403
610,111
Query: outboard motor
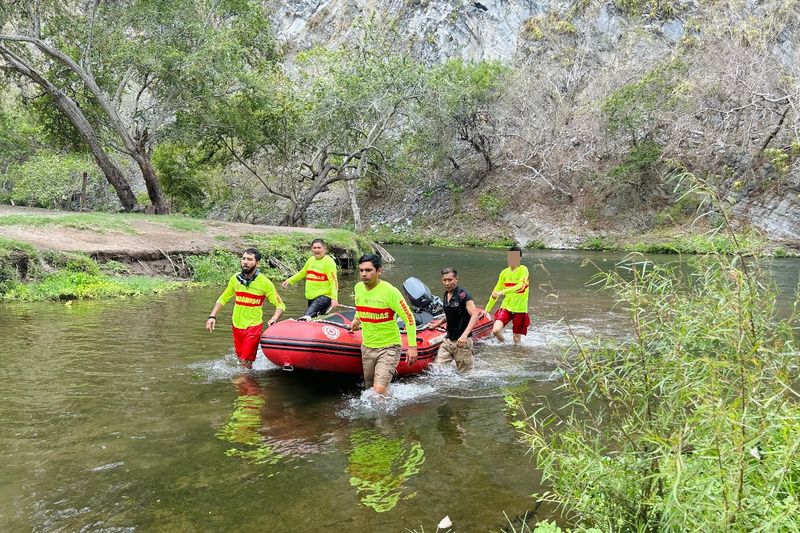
424,305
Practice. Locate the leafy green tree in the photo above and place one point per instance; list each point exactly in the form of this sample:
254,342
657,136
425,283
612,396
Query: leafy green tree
635,109
47,179
18,135
180,175
138,64
330,122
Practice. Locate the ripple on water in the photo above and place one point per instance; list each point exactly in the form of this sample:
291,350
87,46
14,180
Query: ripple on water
109,466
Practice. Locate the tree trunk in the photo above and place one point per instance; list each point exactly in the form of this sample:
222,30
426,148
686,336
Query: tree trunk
68,106
154,190
351,192
136,148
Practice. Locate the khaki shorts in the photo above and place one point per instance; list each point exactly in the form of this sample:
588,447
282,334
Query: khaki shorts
450,350
379,364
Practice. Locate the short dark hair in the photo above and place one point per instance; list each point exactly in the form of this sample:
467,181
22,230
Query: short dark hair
516,248
371,258
449,270
254,252
315,241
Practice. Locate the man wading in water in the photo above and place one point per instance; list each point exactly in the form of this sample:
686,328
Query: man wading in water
512,286
377,302
461,316
251,288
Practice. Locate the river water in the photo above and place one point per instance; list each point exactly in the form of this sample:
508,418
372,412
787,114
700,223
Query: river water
126,415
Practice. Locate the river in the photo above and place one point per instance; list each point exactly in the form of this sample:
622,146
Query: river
126,415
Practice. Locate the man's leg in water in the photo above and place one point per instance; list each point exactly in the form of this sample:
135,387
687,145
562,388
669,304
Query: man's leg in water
385,367
501,318
521,322
497,329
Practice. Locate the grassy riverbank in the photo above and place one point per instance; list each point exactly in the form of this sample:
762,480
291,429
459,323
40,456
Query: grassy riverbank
680,240
67,256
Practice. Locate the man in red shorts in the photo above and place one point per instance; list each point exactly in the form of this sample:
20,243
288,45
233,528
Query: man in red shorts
512,286
251,288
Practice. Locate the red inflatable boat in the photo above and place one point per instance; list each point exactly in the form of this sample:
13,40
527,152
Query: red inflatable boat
326,344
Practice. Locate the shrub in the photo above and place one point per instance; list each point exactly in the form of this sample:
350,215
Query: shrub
692,422
71,262
216,267
641,161
491,205
48,179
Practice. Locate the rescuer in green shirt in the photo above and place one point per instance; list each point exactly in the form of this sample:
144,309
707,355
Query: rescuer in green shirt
377,303
322,283
512,285
251,288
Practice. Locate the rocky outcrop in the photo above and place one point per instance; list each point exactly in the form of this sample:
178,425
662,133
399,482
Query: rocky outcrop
548,32
776,213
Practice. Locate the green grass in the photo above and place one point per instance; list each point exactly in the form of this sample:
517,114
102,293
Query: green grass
97,222
67,285
104,222
24,276
386,236
29,275
214,268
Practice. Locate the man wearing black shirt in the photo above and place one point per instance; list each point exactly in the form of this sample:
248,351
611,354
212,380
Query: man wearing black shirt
461,315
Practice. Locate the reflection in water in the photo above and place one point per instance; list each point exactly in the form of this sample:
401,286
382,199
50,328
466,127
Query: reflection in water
451,424
244,427
380,466
267,428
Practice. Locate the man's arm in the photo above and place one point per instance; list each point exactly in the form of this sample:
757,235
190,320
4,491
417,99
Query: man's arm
301,274
212,318
275,299
436,323
495,293
334,280
473,319
222,300
401,308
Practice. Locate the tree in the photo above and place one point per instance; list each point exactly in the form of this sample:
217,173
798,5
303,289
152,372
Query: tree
462,95
142,63
328,123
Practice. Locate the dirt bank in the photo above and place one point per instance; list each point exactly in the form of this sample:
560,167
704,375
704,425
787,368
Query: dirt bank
150,244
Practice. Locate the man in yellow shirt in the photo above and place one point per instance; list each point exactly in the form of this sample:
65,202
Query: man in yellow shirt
512,285
251,288
377,303
322,283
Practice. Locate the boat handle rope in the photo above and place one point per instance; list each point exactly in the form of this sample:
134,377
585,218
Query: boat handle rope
330,322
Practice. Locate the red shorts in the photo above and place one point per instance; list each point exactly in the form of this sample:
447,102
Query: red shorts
521,320
245,341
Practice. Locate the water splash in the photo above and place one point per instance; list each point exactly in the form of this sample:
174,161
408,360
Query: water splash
228,367
486,380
